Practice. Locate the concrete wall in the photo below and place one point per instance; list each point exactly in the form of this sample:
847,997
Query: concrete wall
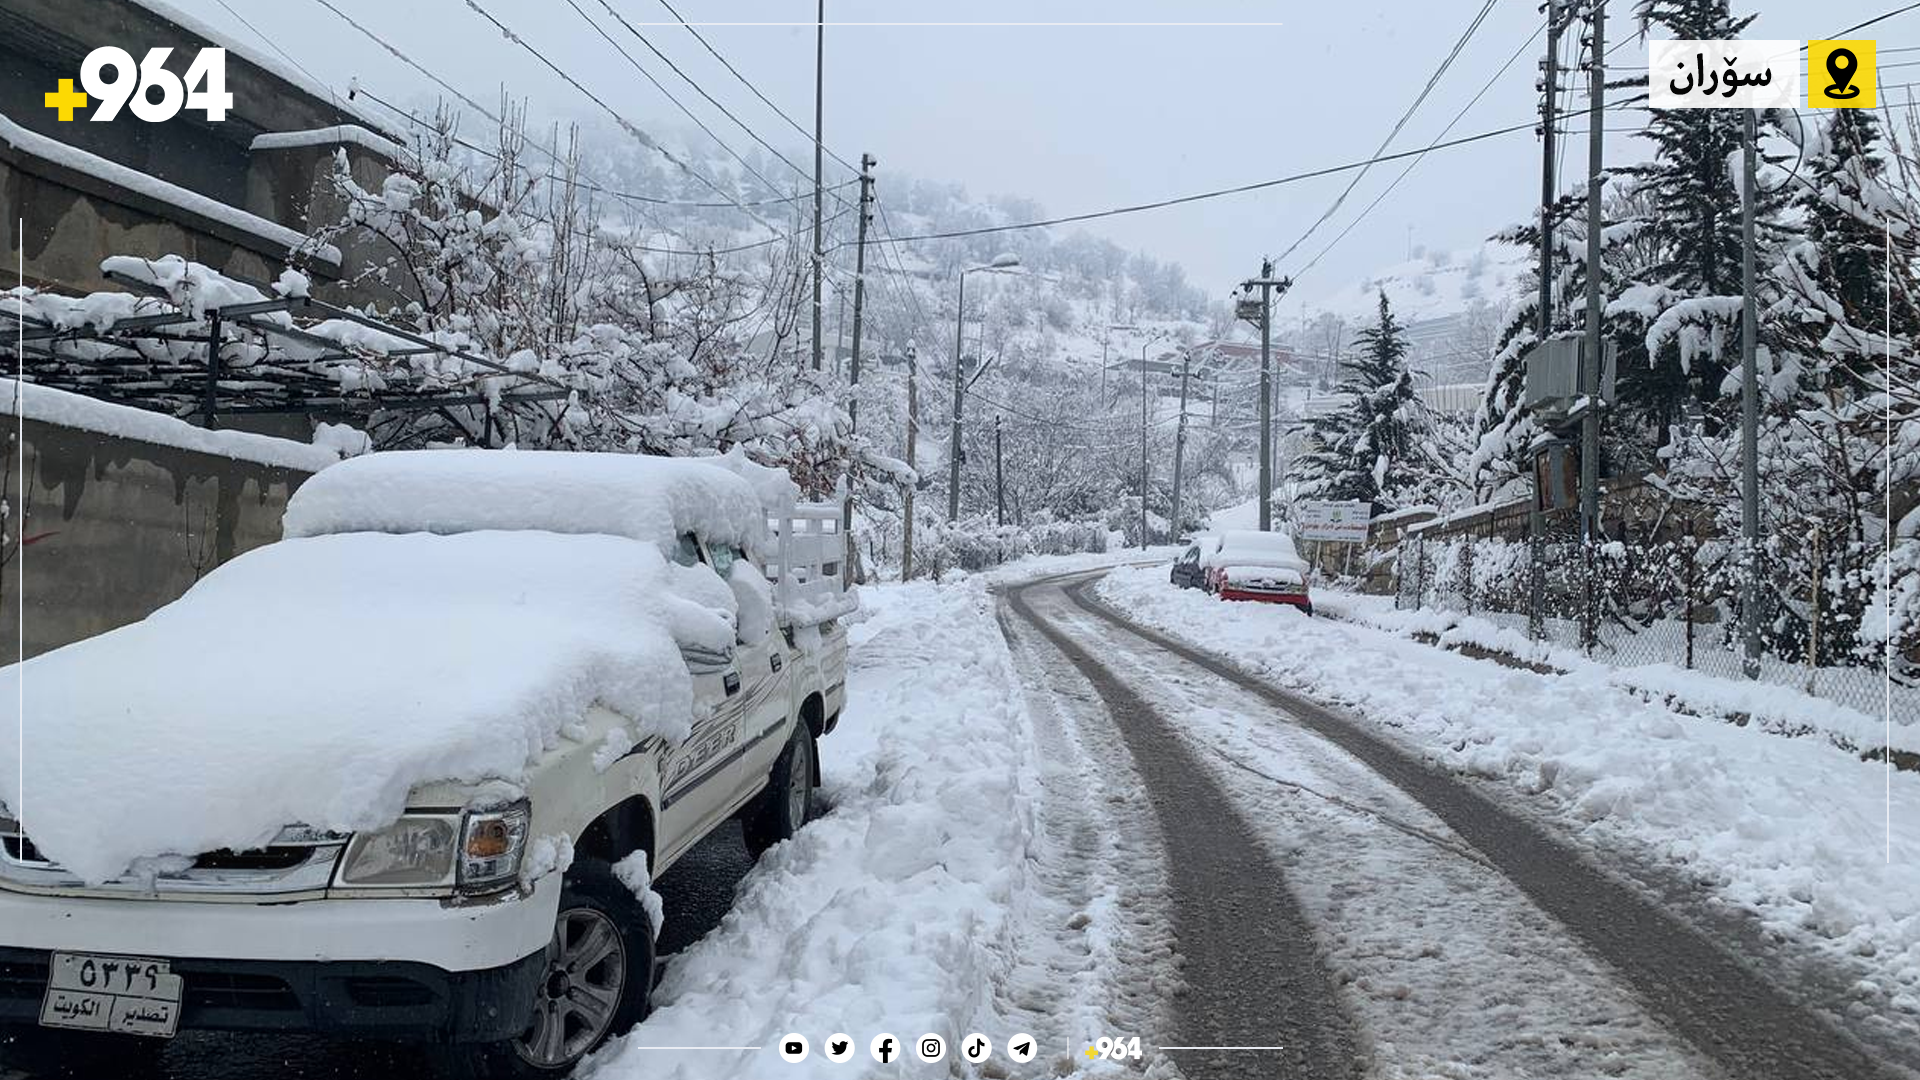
115,528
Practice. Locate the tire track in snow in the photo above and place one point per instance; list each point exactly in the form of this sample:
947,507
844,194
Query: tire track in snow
1699,990
1250,962
1094,939
1451,969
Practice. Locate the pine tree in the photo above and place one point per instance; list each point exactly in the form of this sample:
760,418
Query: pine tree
1373,448
1694,223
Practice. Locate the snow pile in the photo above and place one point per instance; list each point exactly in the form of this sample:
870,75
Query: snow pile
633,873
336,135
1786,828
893,912
653,499
51,406
317,680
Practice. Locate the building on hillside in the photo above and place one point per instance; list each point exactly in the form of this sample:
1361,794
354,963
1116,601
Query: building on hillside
237,195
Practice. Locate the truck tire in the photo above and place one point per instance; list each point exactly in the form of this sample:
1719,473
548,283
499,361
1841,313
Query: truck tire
599,978
84,1055
788,799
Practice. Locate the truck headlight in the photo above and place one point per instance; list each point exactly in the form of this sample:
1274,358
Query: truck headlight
491,845
417,851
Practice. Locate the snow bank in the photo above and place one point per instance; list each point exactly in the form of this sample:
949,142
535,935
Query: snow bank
1785,828
105,418
654,499
892,912
317,680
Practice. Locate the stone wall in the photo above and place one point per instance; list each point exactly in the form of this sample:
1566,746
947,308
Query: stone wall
117,527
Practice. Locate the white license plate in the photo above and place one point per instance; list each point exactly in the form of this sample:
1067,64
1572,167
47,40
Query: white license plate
123,994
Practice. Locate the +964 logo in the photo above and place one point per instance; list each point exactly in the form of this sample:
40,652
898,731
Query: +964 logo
111,81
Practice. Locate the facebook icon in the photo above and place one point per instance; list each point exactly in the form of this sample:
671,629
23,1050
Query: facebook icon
884,1048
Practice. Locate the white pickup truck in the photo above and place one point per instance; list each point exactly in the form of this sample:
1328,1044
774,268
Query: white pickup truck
376,779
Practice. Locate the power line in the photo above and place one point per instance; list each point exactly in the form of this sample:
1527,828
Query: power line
625,125
684,77
668,94
748,83
1241,189
1432,81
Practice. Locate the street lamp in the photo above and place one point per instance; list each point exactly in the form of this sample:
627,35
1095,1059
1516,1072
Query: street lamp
1003,261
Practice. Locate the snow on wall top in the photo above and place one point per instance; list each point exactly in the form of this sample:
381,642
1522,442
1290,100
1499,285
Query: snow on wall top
105,418
318,681
653,499
335,135
113,172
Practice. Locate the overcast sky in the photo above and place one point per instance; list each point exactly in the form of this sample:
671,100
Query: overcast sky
1077,116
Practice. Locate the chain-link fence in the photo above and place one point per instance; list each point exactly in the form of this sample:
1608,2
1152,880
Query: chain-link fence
1674,600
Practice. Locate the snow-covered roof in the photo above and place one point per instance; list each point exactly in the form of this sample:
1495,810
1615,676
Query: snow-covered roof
317,681
112,172
351,134
105,418
652,499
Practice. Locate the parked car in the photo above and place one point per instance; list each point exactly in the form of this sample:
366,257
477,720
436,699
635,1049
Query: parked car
1253,565
477,684
1188,571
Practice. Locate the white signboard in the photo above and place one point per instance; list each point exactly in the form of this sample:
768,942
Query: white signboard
1342,522
1723,74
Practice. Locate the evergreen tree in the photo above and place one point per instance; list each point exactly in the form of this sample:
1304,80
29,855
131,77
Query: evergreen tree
1692,186
1374,448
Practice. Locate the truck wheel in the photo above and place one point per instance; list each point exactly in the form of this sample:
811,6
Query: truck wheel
599,975
49,1052
783,807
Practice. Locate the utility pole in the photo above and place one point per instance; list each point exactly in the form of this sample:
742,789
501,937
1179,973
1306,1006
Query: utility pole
1143,445
1749,418
1267,283
1590,366
1180,445
819,113
853,358
1536,520
913,437
959,390
1549,88
999,486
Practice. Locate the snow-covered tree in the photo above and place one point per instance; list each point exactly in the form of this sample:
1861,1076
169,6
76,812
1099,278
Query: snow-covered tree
1375,447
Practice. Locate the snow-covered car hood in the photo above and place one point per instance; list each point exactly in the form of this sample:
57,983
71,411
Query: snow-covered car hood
1250,572
318,680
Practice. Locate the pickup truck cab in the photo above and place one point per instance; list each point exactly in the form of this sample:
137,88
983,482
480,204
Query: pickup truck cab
407,773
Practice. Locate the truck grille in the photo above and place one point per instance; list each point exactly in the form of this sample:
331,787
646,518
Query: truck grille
223,990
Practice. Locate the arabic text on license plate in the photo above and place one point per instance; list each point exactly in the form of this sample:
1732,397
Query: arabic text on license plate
124,994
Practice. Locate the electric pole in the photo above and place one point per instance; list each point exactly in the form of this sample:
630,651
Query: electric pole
1144,531
1267,283
1536,521
1180,445
999,486
1749,418
913,437
853,359
819,113
1590,366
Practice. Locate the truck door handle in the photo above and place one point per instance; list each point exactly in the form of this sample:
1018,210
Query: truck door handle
775,660
731,680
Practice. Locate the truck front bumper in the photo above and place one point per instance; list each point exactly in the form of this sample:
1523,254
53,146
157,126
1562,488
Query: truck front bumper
402,968
361,998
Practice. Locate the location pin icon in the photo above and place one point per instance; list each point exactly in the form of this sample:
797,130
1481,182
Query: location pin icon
1841,64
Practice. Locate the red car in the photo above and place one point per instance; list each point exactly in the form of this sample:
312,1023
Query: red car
1264,566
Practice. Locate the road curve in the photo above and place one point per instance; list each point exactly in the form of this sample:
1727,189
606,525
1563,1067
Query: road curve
1705,994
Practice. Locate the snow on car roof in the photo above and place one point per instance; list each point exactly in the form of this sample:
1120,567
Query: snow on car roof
316,681
1251,547
656,499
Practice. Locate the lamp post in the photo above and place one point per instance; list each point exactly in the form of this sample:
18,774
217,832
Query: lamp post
1005,261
